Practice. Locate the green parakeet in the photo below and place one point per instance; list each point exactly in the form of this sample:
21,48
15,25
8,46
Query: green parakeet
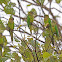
30,18
11,26
31,15
56,28
34,13
50,24
47,22
46,19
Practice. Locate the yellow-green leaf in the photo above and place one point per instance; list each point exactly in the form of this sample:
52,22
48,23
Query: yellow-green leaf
58,1
60,55
29,5
46,55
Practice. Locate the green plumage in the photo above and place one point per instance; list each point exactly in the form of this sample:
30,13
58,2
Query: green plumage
46,19
11,26
50,24
56,30
28,20
33,11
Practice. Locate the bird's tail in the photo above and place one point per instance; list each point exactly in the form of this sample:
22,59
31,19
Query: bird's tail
11,34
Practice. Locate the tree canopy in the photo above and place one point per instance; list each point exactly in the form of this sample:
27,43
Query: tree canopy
34,30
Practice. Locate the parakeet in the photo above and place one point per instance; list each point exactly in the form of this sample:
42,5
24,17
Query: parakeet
47,22
50,24
30,18
56,28
46,19
11,26
34,13
31,15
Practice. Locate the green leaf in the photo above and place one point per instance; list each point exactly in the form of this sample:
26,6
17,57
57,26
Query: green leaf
16,57
2,59
23,44
1,40
29,5
60,55
58,1
4,1
16,39
12,4
37,1
2,27
4,40
1,1
7,49
42,1
46,55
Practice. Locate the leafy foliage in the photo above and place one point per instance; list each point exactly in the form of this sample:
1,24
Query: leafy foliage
58,1
30,47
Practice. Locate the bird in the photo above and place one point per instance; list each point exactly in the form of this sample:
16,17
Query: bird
11,27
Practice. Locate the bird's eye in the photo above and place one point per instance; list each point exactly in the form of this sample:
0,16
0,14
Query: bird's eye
13,18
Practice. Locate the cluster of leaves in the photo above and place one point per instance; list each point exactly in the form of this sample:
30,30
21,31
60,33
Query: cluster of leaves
51,30
51,36
6,54
27,49
47,54
8,8
41,2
